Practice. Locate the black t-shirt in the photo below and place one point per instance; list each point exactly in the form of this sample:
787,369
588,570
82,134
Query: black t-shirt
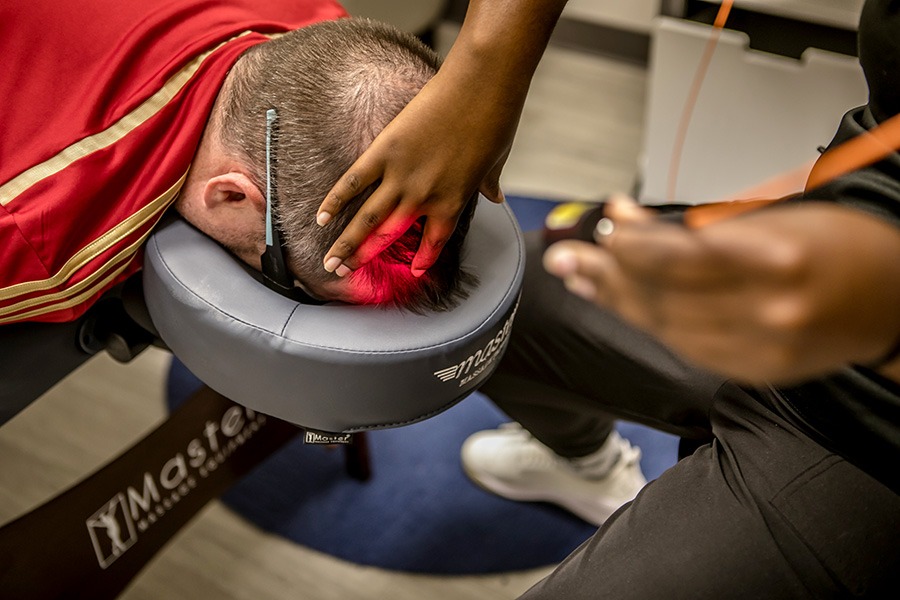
856,412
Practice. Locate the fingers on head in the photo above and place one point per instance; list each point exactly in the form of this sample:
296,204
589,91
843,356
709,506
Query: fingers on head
351,184
374,211
385,234
434,237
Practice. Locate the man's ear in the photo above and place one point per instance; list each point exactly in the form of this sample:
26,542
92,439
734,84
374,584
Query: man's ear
230,193
234,213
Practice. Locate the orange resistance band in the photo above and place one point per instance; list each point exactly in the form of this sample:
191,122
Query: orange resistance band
693,94
856,153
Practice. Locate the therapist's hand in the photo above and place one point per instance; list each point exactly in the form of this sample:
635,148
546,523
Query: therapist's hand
429,161
450,141
773,296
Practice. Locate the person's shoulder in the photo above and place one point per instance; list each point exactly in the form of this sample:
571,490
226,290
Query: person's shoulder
874,189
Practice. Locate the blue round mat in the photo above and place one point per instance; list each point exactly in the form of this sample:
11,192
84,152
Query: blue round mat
418,512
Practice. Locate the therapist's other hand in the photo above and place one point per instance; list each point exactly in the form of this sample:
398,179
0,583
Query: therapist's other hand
429,161
773,296
451,140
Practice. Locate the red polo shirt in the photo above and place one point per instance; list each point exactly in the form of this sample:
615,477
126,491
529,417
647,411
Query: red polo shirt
104,103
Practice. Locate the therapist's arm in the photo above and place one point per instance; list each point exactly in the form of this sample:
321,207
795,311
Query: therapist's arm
450,141
778,296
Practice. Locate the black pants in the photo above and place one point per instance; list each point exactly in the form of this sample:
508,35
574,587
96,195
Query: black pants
762,511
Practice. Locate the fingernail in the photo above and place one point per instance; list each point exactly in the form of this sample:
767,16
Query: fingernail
622,207
417,272
581,287
619,198
343,270
332,263
322,218
560,261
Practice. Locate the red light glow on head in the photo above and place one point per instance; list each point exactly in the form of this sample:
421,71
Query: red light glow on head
387,278
382,283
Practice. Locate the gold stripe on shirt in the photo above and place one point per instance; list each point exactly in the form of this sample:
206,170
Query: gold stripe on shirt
125,255
75,301
115,132
98,246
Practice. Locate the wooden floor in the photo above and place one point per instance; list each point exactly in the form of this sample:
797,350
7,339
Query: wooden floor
579,138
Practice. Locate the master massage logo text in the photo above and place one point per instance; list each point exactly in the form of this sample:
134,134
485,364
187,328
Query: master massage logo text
115,527
475,364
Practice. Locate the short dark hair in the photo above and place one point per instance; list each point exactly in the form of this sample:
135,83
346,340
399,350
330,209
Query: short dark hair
336,85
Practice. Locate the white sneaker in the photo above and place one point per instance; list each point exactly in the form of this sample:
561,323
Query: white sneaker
511,463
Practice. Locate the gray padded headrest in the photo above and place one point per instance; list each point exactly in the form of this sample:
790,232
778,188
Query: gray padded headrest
335,367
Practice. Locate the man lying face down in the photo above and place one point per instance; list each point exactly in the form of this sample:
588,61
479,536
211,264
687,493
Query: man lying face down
131,108
334,85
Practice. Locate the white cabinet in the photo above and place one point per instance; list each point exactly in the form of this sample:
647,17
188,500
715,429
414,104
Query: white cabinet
757,114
